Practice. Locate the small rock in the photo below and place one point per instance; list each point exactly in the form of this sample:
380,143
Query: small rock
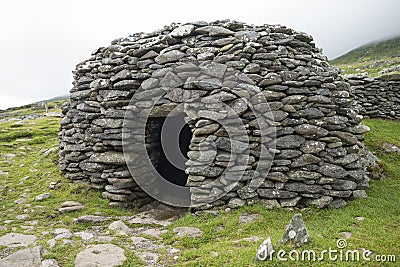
138,239
390,148
296,232
52,243
100,255
182,31
20,201
120,228
360,194
22,217
214,254
360,219
251,239
265,250
248,217
9,156
346,235
68,242
49,263
150,258
174,251
35,222
62,233
52,185
214,31
236,203
86,236
70,204
71,209
105,239
337,203
169,56
188,232
154,232
43,196
91,219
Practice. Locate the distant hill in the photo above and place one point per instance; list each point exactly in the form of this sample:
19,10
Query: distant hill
375,58
57,98
53,103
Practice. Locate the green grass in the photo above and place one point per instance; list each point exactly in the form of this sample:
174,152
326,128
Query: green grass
370,58
31,172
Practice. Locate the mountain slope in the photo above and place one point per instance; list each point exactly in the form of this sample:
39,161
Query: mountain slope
375,58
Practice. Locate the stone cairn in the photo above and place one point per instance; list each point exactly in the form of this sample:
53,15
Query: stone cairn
315,151
376,97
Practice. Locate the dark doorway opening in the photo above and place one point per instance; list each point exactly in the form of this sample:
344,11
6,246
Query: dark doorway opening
167,143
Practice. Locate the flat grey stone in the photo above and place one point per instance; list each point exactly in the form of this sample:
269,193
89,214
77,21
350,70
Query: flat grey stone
346,235
154,232
251,239
215,69
169,56
49,263
182,31
332,170
236,203
214,31
52,243
120,228
290,141
108,158
30,257
321,202
92,219
232,145
71,208
22,217
248,217
13,240
85,235
43,196
360,194
149,258
188,232
62,233
104,255
311,131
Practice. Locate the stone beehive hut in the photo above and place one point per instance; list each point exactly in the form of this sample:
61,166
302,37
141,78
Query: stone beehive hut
256,111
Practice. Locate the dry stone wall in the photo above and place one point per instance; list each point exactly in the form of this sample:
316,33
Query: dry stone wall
296,140
376,97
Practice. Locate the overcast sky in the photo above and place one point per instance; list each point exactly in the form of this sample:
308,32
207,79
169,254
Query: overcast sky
43,40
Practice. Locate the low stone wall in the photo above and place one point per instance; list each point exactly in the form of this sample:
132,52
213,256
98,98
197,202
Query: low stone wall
271,120
376,97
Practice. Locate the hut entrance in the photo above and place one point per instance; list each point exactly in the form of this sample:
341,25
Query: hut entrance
167,144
